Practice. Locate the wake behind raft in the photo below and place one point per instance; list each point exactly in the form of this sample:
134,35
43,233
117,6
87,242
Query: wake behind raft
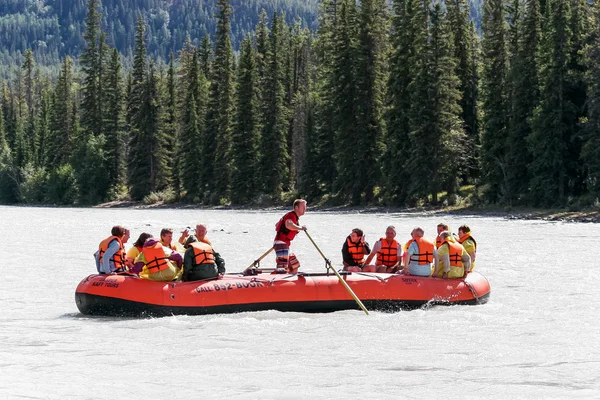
127,295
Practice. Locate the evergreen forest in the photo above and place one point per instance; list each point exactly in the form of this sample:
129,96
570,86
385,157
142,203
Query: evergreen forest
400,103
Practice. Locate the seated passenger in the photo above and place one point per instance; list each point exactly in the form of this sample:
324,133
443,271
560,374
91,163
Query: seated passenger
353,252
418,258
110,256
441,227
201,261
451,260
388,251
157,262
166,238
133,252
469,243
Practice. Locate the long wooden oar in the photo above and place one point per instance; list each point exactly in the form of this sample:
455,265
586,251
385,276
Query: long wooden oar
259,258
342,281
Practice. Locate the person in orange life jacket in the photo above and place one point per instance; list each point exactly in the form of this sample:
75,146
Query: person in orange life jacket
200,234
201,261
287,228
110,256
166,238
388,252
470,245
419,254
441,227
133,252
451,259
353,252
157,262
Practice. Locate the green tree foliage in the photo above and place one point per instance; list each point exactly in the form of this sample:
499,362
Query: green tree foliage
60,143
246,132
114,148
91,117
274,169
555,117
221,103
494,94
591,147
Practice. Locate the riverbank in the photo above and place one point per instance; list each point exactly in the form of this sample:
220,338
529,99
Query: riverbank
589,215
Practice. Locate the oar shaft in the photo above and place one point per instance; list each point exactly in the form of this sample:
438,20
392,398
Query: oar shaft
342,281
259,258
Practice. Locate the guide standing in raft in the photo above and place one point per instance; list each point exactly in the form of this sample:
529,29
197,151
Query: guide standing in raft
287,228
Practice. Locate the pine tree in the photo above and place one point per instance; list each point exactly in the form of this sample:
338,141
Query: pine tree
555,116
345,109
30,139
43,127
591,147
113,124
402,72
191,138
221,104
274,170
139,175
525,96
205,54
372,51
246,131
466,71
170,123
90,60
262,44
60,146
2,130
495,107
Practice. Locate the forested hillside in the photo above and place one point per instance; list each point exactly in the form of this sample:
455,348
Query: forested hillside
54,28
402,105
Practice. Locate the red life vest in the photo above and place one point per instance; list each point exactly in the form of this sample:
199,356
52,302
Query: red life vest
455,253
283,233
356,250
203,253
118,258
388,255
425,254
156,259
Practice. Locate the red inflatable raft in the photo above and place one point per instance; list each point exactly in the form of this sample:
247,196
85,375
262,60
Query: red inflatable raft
126,295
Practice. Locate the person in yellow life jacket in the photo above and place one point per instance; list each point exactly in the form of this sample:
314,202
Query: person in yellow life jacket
157,262
451,260
110,256
388,252
353,252
469,243
201,261
134,251
419,254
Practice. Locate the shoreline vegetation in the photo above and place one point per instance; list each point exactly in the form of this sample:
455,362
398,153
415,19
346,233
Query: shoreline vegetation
591,215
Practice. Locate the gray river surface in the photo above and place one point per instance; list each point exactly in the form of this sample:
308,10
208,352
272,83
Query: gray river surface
538,337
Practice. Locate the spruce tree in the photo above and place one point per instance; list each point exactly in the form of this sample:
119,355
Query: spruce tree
139,174
372,51
402,72
246,130
60,146
90,60
114,123
170,123
2,131
205,54
555,116
495,107
274,170
222,104
30,139
591,148
525,96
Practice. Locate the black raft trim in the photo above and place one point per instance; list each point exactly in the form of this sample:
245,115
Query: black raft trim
90,304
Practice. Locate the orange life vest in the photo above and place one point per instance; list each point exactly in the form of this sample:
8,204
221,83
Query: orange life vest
388,255
203,253
156,259
467,236
283,233
356,250
455,253
118,258
425,254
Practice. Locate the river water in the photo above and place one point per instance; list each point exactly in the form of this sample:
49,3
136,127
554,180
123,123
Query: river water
538,336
